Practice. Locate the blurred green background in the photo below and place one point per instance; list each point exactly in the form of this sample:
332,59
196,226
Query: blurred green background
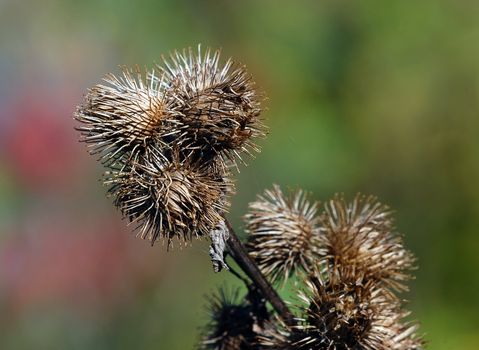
376,97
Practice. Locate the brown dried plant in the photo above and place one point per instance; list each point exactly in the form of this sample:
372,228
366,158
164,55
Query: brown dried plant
218,105
337,314
360,241
283,233
234,323
169,137
170,200
128,118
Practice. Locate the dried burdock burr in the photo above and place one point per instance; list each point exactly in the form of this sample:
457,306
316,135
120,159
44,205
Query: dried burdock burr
168,138
127,118
283,233
360,241
234,323
194,115
170,200
217,104
340,314
348,315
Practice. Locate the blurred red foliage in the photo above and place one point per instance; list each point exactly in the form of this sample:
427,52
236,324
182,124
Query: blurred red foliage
41,145
97,266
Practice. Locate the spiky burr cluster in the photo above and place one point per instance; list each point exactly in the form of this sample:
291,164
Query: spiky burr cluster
360,242
175,200
283,233
337,314
218,106
168,138
351,264
234,323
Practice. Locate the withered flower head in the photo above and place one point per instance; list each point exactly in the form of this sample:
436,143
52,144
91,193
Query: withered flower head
168,137
127,118
283,233
217,104
234,323
361,243
345,315
170,200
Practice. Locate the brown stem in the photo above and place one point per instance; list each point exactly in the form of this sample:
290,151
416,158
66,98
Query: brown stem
240,255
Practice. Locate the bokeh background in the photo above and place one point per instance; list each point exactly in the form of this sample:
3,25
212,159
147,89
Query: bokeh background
373,97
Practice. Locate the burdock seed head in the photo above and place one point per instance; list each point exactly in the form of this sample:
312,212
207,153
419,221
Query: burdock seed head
360,243
339,314
127,118
283,233
169,200
234,323
346,315
217,104
168,137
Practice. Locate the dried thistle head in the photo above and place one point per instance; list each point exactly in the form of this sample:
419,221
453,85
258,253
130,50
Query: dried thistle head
175,199
166,136
344,315
276,335
350,315
234,323
217,104
283,233
127,118
360,243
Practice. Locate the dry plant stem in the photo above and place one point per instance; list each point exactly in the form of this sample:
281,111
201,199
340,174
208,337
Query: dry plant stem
240,255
